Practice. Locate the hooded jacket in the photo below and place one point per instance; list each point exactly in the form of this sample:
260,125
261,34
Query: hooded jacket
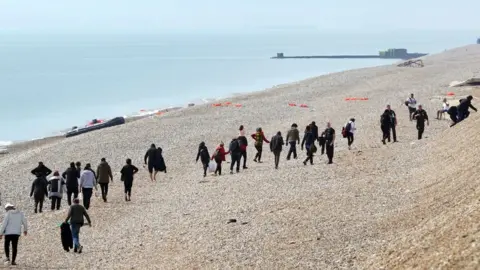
203,154
56,187
293,135
104,173
12,223
276,143
71,175
465,104
219,154
42,170
87,179
308,139
39,188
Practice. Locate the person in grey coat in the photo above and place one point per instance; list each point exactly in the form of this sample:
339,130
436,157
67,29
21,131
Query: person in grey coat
56,188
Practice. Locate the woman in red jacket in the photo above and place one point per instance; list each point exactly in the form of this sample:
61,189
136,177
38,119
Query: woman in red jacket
259,138
219,156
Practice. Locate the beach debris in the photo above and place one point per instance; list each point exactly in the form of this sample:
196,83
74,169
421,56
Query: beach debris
232,220
450,94
303,106
228,103
469,82
238,105
217,105
412,63
292,104
191,104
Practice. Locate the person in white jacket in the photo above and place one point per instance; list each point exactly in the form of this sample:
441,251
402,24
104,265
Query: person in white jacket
12,229
350,129
87,183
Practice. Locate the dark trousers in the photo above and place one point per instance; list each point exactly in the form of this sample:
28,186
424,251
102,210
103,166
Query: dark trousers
104,188
350,138
38,205
309,155
329,146
87,195
258,156
56,201
127,184
244,156
205,168
410,112
235,160
461,115
321,142
292,150
393,132
385,133
11,238
454,120
219,167
69,195
276,153
421,129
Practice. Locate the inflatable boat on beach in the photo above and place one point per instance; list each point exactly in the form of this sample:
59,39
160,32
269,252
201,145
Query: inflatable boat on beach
96,125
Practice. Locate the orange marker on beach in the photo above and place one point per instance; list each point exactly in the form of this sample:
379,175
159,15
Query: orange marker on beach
238,105
304,106
450,94
292,104
217,104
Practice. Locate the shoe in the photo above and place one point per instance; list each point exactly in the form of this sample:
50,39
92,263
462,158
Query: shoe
129,198
204,175
238,171
245,167
231,172
305,163
40,211
75,250
260,161
80,249
35,211
255,160
7,260
330,162
126,199
14,263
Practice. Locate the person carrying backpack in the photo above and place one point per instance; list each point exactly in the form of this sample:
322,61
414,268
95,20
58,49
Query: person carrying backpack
276,144
204,156
235,154
219,156
259,138
348,131
243,142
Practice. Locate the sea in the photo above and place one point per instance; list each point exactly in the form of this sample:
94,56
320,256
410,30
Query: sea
51,82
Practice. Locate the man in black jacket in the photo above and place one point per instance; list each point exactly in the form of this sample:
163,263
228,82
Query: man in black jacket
463,107
329,135
235,154
276,145
421,116
314,129
41,170
393,123
39,191
71,175
151,158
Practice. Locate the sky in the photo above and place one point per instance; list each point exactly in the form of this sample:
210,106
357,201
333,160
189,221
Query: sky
140,16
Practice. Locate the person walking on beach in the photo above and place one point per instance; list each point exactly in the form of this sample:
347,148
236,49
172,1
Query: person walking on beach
38,191
314,129
393,124
235,154
78,165
151,156
463,107
41,170
329,134
259,138
243,142
127,173
159,163
276,145
421,116
219,157
385,125
293,138
75,217
411,103
71,175
87,183
453,113
56,187
104,177
307,141
12,229
350,130
204,156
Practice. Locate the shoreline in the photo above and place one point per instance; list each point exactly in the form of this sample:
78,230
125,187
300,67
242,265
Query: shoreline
15,146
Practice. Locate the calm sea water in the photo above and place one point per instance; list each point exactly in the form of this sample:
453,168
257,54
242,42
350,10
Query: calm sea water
49,83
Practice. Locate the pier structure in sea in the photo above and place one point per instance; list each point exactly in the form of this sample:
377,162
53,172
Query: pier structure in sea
402,54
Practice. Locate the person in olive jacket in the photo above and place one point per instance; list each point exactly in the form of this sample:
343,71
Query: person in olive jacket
104,177
293,138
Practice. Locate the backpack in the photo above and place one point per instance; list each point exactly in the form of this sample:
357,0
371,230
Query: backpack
234,146
346,129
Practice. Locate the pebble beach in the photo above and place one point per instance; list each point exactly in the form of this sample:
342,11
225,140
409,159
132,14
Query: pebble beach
377,207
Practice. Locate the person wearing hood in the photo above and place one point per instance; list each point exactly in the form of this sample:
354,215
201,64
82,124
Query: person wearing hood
453,113
350,129
293,138
235,154
104,177
276,145
11,229
127,173
75,217
38,191
243,142
219,157
151,156
159,163
204,156
308,142
259,138
385,124
463,107
56,188
41,170
314,128
71,175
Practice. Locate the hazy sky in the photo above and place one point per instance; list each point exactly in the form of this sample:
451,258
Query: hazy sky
220,15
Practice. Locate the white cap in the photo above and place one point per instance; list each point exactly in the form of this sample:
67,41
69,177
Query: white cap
9,205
